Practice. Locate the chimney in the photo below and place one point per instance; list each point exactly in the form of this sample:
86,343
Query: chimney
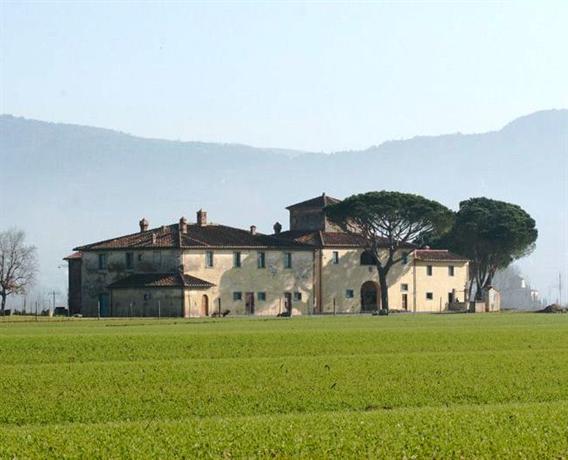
201,218
277,228
143,224
183,225
154,239
253,229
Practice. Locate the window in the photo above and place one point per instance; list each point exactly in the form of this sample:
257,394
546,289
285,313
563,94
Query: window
147,296
287,260
140,257
335,257
404,258
209,259
261,260
237,296
404,287
129,260
297,296
236,259
429,296
261,296
451,270
102,261
429,270
157,256
349,293
368,258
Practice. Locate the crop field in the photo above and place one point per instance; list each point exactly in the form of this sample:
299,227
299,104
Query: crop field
403,386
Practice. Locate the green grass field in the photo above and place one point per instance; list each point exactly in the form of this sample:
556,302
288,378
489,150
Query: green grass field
403,386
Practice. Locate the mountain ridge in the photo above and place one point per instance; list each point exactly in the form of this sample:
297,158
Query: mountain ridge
559,115
68,184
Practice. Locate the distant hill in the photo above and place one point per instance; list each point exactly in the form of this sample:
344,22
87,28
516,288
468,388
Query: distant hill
67,185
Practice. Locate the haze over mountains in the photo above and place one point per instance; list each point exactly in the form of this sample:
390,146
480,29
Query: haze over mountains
67,185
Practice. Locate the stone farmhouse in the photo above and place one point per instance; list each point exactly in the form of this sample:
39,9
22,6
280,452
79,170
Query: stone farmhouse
198,269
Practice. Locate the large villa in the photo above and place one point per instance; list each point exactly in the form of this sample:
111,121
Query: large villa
193,269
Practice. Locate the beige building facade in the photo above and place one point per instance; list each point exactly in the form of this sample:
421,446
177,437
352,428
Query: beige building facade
202,269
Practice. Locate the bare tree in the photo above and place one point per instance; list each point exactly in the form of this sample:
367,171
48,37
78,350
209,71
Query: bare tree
18,265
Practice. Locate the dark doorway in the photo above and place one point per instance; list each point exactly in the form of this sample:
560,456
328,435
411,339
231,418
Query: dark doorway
288,302
104,305
369,296
204,305
249,303
405,301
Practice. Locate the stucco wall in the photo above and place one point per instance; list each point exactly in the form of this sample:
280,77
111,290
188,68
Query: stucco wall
94,281
149,302
274,280
349,274
440,284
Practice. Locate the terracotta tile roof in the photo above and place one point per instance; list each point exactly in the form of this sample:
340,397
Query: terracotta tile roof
329,239
342,239
319,202
75,256
223,236
435,255
208,236
303,236
160,280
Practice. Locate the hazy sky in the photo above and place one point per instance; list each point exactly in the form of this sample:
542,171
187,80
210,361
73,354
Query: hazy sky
318,76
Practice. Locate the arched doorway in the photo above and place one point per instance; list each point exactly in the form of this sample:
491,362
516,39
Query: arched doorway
369,296
204,305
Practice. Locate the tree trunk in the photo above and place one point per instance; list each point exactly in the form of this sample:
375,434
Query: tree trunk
3,295
469,290
478,289
490,276
384,288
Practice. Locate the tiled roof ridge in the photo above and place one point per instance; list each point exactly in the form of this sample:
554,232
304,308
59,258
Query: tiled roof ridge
262,235
450,255
316,201
194,239
197,236
185,277
86,247
160,280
